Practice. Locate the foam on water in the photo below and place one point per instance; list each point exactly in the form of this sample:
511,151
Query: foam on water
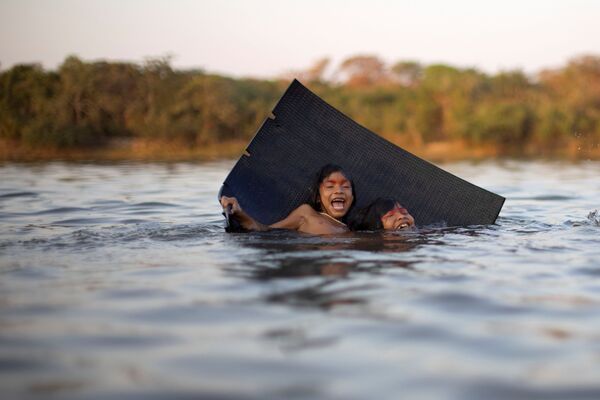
594,217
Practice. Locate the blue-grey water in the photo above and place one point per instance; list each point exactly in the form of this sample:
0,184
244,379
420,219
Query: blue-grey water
118,282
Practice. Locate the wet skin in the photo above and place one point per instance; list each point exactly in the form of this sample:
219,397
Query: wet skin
397,218
335,197
335,194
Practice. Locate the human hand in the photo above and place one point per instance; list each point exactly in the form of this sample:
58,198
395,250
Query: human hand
230,205
232,210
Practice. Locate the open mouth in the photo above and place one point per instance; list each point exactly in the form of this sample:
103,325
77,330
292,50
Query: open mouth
338,204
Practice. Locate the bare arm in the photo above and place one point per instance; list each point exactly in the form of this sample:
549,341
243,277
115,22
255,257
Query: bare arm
302,219
306,219
245,220
296,220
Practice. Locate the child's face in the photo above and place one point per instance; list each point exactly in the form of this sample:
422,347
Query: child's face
335,193
397,218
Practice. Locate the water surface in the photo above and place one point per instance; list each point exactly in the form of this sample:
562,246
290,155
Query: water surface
117,281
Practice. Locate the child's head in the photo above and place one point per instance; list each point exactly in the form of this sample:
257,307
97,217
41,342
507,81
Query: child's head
333,191
382,214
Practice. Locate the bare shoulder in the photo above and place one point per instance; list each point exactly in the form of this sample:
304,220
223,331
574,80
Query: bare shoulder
314,222
306,211
305,208
297,218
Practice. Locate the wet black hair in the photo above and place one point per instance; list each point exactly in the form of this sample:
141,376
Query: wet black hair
369,218
324,172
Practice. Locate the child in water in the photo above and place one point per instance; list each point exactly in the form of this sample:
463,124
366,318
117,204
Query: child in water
382,214
333,197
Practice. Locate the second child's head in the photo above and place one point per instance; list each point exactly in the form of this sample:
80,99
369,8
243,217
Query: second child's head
382,214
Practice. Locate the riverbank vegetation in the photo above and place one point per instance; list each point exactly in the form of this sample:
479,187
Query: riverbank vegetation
114,110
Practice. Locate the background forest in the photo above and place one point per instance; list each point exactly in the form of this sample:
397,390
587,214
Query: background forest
103,106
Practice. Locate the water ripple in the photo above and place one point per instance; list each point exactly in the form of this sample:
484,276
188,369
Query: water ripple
118,281
18,194
59,210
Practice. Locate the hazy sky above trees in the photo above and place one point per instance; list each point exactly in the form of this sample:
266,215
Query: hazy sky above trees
268,37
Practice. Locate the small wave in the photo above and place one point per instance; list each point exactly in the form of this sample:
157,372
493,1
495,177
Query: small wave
594,217
524,225
94,237
82,221
462,302
18,194
151,231
132,221
109,202
182,232
59,210
545,198
148,204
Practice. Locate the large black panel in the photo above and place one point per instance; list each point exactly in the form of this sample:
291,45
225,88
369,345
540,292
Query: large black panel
307,133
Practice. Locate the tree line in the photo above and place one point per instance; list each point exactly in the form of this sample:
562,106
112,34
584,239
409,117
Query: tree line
83,104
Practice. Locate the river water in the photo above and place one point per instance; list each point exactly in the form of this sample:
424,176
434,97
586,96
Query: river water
117,281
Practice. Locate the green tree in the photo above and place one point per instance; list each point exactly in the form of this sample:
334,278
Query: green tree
24,91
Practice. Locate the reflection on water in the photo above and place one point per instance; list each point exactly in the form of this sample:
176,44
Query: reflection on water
118,281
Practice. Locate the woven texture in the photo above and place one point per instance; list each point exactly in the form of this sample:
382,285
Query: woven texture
282,160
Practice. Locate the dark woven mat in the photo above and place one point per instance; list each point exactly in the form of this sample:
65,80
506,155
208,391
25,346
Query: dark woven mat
275,175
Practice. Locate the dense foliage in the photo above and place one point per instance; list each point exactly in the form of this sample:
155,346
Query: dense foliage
89,103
